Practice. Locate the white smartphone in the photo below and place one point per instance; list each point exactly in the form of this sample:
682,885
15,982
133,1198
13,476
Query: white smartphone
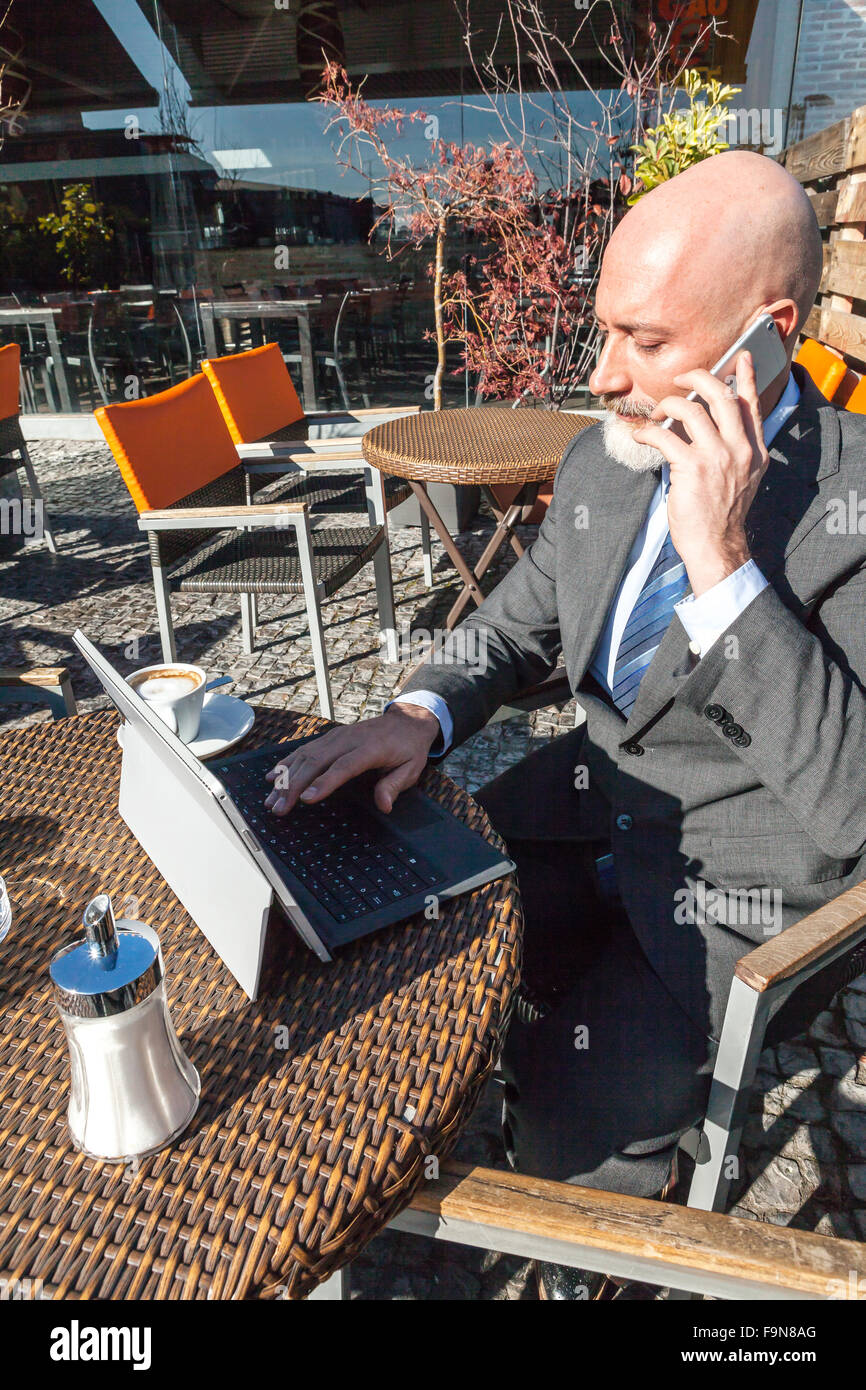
762,340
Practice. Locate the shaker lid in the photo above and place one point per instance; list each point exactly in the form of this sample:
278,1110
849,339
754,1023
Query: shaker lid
109,971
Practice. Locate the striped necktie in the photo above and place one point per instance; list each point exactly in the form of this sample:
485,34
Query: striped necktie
666,583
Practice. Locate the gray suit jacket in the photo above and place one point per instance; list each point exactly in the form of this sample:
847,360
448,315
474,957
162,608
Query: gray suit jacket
744,770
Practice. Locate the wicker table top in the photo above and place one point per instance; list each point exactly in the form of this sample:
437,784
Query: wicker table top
319,1102
490,444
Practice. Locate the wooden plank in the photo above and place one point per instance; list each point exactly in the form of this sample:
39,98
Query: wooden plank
257,514
835,924
812,327
851,203
857,139
819,155
845,332
824,206
633,1236
33,675
846,273
220,513
825,266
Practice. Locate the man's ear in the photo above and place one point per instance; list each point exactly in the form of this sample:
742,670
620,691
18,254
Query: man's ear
785,316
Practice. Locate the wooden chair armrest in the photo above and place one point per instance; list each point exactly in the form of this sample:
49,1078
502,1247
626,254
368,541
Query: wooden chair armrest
33,675
633,1237
841,921
304,456
218,518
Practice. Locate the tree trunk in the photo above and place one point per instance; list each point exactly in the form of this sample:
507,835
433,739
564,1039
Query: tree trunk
437,309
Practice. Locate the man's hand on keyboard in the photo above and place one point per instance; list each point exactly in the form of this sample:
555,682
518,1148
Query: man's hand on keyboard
397,742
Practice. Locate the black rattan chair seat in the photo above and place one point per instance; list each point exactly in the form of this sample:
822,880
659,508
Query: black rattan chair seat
267,562
336,492
297,432
11,441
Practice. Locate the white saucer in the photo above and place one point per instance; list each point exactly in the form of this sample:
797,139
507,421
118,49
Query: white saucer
225,720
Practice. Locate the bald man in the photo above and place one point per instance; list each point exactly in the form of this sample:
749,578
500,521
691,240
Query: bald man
712,627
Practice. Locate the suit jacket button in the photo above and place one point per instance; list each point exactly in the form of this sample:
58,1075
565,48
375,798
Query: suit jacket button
731,730
742,740
634,747
624,822
716,713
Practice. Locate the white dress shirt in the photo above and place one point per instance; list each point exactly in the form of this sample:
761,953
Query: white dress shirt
704,618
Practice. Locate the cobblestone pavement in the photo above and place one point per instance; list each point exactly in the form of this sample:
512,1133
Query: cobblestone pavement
804,1149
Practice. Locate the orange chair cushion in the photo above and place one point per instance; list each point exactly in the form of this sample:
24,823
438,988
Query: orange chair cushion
857,399
823,366
255,392
10,369
167,446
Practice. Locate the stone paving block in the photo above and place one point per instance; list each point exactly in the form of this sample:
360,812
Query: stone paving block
827,1028
857,1179
854,1005
847,1094
836,1061
798,1063
850,1125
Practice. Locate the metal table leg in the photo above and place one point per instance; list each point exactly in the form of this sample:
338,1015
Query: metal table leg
57,359
307,367
207,323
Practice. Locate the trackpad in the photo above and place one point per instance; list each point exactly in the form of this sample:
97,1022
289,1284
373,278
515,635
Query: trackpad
412,811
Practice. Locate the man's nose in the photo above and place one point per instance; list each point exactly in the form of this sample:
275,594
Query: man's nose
609,376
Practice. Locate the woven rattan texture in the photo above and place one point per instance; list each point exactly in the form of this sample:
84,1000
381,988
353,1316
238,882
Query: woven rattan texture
307,1142
11,443
336,492
267,562
229,490
486,445
297,432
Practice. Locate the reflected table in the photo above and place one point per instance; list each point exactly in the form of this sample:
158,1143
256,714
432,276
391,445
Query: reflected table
245,309
45,317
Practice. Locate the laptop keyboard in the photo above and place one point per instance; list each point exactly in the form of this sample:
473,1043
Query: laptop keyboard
349,861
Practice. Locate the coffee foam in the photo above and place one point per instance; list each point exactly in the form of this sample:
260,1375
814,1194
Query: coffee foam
165,685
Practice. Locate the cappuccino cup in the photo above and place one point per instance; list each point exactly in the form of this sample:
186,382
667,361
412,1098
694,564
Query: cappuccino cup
174,690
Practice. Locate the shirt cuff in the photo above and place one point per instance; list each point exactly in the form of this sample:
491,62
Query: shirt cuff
707,617
436,705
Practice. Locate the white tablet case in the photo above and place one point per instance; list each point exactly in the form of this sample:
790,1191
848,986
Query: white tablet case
180,827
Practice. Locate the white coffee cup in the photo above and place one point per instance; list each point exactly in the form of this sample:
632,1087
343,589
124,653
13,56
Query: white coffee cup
174,690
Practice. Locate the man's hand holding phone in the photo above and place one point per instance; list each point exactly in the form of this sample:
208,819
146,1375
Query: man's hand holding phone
715,473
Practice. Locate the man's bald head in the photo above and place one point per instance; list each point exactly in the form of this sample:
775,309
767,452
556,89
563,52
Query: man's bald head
727,235
687,270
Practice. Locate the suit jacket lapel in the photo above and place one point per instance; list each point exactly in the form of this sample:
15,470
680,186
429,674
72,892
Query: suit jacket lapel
788,506
790,501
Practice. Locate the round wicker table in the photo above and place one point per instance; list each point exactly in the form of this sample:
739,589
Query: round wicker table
319,1103
494,447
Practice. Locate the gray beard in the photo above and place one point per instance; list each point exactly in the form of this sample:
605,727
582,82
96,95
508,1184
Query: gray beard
625,449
